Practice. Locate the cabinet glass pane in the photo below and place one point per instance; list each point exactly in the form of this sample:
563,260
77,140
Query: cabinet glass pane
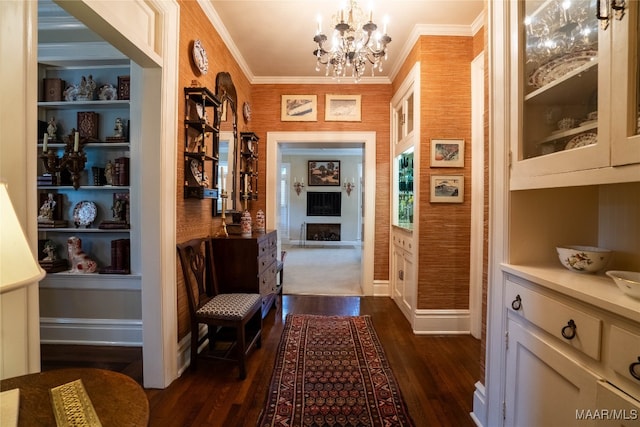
404,165
560,69
409,114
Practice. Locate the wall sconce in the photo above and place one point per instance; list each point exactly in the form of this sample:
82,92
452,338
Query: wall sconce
298,186
349,186
73,158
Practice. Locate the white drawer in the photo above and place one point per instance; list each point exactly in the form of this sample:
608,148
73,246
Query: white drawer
623,355
578,329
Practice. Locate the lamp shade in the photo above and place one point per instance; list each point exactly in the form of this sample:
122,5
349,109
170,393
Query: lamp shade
17,264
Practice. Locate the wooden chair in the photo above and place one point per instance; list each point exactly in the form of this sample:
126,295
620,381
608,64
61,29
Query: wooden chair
220,312
280,268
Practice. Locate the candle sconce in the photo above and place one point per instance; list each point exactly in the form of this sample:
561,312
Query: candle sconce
298,187
349,186
73,159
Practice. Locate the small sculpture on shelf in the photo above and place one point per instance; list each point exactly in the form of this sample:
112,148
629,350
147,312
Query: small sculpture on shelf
51,263
46,210
84,91
120,210
80,261
49,215
119,134
52,129
108,172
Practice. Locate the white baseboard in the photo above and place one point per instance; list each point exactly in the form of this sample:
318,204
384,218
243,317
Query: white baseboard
479,414
435,322
381,288
114,332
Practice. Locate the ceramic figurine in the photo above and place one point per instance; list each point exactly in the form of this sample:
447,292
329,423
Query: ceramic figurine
50,251
80,261
46,210
245,224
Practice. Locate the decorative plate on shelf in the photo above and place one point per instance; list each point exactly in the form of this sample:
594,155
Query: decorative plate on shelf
558,67
198,173
200,57
84,213
246,112
582,140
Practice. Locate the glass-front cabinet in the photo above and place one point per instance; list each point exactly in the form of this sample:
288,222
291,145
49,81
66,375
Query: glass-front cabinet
403,215
578,87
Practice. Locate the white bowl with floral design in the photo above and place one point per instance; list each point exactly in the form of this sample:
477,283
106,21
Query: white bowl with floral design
584,259
627,281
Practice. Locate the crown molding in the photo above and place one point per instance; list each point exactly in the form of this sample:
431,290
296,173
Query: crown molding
217,23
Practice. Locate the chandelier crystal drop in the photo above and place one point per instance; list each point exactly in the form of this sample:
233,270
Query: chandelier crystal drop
355,43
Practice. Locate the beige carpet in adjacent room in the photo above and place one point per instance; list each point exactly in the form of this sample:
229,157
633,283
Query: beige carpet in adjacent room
328,270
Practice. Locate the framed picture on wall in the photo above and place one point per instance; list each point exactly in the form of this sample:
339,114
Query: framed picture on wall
299,108
447,153
342,108
324,172
447,188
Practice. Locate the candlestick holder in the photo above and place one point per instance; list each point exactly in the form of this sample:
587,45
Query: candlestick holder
73,160
223,216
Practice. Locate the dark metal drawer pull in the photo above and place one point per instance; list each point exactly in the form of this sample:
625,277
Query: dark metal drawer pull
569,331
632,369
516,304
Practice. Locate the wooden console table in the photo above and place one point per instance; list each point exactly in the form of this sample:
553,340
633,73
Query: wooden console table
248,264
117,399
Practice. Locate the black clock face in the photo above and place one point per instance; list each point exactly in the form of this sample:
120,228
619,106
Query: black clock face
246,111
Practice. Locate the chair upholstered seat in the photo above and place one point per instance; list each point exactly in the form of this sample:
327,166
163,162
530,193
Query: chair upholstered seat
229,306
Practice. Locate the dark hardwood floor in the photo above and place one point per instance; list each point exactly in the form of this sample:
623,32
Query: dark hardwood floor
436,373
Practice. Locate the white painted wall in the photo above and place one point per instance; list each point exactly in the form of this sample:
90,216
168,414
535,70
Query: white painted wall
350,204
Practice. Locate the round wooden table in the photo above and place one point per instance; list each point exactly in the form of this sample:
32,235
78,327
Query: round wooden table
118,400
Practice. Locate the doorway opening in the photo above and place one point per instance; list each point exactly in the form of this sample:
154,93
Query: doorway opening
319,145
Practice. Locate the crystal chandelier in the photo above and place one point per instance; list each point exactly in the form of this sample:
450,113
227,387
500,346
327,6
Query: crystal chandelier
356,41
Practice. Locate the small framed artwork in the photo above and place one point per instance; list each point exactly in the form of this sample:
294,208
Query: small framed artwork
299,108
324,172
447,188
447,153
342,108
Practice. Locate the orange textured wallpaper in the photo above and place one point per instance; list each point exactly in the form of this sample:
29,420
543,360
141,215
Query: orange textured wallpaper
445,229
375,117
193,215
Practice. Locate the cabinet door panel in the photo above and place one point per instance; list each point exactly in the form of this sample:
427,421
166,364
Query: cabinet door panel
620,409
544,387
625,87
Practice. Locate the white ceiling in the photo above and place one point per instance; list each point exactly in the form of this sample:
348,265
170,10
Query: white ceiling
273,39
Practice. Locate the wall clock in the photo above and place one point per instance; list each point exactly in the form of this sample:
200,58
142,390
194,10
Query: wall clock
246,112
200,57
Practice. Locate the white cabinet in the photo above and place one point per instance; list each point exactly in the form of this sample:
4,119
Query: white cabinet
577,88
567,362
403,284
544,386
405,180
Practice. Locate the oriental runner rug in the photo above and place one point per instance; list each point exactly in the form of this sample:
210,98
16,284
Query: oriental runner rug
332,371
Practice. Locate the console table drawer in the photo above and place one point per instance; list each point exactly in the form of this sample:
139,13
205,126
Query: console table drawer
578,329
